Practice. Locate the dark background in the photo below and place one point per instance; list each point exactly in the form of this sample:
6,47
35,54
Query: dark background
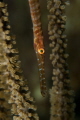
21,26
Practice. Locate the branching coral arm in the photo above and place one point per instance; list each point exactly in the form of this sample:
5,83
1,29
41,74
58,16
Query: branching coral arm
38,41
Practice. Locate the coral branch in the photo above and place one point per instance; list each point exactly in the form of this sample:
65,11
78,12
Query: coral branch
22,102
4,74
61,95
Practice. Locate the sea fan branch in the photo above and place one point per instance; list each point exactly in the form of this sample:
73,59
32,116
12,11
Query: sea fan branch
22,103
61,95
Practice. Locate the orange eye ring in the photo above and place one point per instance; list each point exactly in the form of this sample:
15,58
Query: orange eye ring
41,51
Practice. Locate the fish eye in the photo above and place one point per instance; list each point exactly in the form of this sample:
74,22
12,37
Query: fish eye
41,51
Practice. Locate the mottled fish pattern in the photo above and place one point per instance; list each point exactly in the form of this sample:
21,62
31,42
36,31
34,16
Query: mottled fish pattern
38,41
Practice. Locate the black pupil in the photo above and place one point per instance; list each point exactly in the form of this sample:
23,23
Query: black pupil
41,50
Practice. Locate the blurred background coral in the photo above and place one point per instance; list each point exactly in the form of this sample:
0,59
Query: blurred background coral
21,26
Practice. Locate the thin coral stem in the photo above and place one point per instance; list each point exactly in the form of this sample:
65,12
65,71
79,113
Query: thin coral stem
61,94
23,107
